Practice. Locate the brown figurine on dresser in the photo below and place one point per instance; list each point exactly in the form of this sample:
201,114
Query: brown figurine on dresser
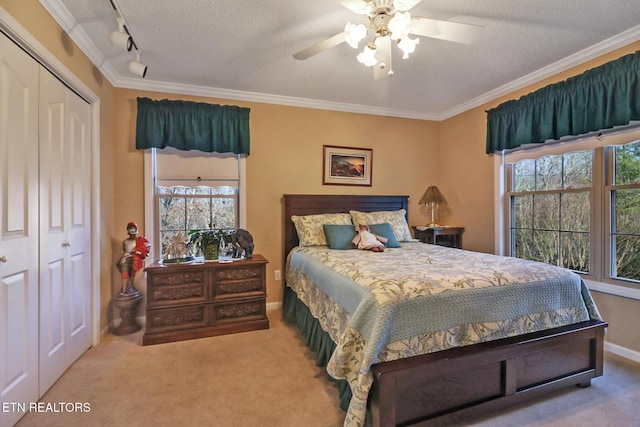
186,301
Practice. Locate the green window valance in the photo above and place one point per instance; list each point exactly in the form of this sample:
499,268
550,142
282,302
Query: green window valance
600,98
192,126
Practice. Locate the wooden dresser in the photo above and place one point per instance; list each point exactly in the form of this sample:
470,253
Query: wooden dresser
186,301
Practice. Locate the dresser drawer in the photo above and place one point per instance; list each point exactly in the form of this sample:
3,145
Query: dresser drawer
166,289
238,311
177,318
238,273
237,288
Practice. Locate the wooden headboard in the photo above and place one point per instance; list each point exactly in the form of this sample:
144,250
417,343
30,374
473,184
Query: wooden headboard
309,204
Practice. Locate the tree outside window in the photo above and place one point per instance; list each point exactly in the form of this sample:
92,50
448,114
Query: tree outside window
183,209
550,210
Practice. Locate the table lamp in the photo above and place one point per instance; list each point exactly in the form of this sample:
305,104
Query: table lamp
433,198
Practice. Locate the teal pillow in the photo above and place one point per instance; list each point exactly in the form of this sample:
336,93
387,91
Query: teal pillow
385,230
339,236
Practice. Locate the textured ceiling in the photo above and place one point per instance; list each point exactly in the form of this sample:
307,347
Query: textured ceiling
242,49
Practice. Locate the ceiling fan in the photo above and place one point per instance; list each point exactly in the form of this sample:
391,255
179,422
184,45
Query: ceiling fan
390,23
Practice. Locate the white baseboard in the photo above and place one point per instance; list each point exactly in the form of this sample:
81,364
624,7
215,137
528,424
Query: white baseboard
274,305
618,350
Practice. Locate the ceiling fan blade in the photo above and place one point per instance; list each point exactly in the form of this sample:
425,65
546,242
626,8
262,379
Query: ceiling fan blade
404,5
383,68
360,7
320,47
445,30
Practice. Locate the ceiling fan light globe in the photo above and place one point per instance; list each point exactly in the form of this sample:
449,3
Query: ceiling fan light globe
367,57
408,46
399,25
354,33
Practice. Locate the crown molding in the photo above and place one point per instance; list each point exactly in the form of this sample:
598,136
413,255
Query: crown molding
592,52
211,92
60,13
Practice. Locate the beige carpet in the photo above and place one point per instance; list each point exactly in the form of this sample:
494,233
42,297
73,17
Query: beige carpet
269,378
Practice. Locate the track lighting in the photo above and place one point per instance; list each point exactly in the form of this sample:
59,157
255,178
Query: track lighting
137,67
123,38
120,37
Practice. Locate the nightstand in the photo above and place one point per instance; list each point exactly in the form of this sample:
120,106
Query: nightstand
441,235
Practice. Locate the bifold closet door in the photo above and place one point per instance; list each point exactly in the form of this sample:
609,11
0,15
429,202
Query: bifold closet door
18,228
65,258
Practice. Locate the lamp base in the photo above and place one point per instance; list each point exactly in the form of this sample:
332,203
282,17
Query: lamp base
433,223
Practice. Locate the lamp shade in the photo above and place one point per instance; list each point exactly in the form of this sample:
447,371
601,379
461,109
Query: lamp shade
432,195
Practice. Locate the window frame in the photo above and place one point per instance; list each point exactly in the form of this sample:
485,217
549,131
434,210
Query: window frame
186,197
600,277
594,201
611,187
151,200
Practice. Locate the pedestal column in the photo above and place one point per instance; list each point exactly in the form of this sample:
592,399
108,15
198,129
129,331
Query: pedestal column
128,305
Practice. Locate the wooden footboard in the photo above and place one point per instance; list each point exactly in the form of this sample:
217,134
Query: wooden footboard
420,389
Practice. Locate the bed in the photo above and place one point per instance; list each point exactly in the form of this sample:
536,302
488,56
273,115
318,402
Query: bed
396,376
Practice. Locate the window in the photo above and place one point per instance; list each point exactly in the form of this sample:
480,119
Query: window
191,190
625,215
182,209
550,204
576,208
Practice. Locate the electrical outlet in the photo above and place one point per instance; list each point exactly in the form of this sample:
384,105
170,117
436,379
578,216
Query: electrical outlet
278,275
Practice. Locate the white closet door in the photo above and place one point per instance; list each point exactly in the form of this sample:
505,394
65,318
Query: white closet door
79,219
18,228
64,229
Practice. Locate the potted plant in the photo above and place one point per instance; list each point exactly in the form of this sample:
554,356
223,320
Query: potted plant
207,242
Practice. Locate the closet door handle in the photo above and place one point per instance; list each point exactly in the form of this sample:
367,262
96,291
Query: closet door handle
66,245
3,258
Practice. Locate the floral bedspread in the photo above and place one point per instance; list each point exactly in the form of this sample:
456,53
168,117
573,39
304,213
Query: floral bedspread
420,298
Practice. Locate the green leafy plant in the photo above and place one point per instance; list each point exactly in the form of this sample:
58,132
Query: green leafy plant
207,242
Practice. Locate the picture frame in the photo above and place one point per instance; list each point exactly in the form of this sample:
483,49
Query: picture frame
347,165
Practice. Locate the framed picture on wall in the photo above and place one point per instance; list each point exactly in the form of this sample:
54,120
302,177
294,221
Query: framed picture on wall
346,165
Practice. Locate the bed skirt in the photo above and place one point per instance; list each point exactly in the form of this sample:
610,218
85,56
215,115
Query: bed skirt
318,341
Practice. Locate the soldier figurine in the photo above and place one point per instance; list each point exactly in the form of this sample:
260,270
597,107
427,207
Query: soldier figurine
134,250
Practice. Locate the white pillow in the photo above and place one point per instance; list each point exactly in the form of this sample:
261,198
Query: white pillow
310,230
396,219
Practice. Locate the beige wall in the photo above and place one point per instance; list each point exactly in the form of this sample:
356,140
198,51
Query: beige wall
467,177
623,315
286,157
31,15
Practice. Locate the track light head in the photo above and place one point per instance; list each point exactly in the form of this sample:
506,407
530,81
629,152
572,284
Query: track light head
137,67
121,39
